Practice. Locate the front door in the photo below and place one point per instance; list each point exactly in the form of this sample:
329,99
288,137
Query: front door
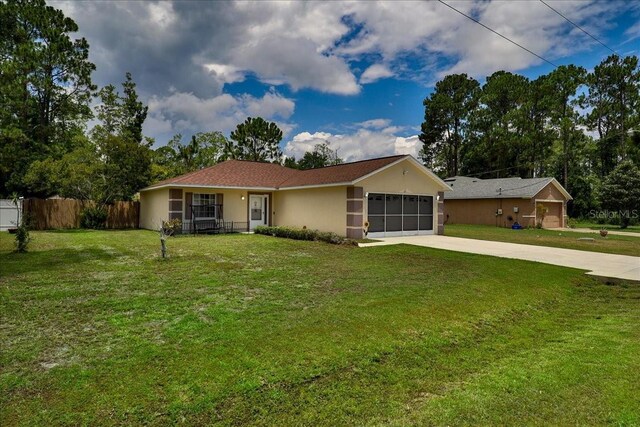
258,210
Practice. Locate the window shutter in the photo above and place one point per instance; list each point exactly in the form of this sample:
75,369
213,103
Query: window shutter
187,205
219,202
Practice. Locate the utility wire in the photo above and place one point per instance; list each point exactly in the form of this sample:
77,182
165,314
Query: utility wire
495,170
577,26
497,33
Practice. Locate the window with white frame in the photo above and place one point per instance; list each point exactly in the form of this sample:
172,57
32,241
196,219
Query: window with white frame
204,205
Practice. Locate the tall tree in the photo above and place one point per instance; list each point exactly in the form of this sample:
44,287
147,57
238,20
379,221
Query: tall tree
497,129
620,191
135,112
564,83
537,138
446,114
321,156
121,114
45,86
614,99
114,163
203,150
256,140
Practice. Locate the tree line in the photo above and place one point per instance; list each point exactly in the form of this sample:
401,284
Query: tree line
574,125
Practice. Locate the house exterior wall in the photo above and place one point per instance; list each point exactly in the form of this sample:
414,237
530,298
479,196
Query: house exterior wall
155,204
154,208
483,211
404,178
323,208
355,212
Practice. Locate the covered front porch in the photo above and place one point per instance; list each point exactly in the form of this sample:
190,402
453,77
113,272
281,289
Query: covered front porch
218,211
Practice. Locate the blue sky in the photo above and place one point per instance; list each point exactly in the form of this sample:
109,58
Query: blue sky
350,74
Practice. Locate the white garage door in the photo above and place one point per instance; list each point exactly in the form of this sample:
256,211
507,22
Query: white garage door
399,214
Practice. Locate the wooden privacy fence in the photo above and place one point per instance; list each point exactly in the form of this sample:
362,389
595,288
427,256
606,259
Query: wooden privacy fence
46,214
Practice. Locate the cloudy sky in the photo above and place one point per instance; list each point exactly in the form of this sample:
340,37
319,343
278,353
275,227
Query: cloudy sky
352,74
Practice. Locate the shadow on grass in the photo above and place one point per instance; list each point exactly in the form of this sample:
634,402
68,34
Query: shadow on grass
13,263
88,231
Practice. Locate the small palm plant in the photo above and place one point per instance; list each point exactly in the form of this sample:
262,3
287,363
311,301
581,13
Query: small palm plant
22,229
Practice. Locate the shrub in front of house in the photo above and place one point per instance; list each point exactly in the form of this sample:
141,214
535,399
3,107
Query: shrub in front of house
301,234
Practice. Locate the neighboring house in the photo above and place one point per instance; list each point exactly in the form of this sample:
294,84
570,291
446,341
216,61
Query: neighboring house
9,214
397,196
503,201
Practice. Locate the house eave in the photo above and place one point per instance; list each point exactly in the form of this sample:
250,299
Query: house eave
229,187
302,187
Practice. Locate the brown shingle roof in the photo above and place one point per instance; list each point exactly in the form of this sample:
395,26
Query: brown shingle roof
346,172
246,174
234,173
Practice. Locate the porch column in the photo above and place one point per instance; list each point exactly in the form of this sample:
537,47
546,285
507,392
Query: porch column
440,212
355,205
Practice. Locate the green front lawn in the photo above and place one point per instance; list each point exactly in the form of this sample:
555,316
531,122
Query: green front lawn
95,329
613,244
595,226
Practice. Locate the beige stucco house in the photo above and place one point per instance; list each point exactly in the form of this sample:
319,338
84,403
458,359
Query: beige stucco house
504,201
389,196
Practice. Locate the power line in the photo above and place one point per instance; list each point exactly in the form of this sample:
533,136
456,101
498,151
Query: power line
577,26
495,170
495,32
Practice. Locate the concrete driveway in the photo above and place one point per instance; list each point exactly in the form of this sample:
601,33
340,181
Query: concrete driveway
609,266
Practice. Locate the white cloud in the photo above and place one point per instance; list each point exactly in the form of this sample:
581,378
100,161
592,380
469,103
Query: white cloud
186,112
633,32
225,73
279,60
374,123
312,44
375,73
433,35
365,143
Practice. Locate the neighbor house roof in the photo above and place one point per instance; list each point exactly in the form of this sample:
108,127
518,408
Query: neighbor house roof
465,187
258,175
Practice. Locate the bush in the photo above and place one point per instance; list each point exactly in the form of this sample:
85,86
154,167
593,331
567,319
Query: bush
572,223
172,226
94,217
301,234
22,238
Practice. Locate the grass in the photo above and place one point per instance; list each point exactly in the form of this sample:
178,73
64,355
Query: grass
96,329
613,244
595,226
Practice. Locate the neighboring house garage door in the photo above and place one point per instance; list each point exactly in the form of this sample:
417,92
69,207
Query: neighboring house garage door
399,214
553,217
